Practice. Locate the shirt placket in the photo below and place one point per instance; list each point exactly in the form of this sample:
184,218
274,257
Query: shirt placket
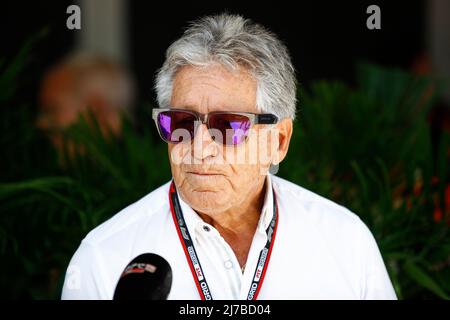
227,265
258,243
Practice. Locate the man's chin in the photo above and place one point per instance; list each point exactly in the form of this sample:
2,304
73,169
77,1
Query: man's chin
206,200
205,182
205,195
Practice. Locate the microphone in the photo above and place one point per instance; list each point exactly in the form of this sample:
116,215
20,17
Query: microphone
146,277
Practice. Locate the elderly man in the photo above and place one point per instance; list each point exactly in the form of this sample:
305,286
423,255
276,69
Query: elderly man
228,228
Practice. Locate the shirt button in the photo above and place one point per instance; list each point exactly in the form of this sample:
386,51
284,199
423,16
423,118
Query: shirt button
206,228
228,264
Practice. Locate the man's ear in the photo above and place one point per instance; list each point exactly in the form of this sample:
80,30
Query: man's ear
284,128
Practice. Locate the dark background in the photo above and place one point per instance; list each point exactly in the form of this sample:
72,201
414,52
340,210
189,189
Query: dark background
326,38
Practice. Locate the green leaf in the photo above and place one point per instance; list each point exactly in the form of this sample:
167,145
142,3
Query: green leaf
422,278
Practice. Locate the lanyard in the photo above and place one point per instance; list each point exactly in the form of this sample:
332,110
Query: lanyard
191,254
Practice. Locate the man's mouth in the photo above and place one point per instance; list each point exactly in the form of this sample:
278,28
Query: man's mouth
200,173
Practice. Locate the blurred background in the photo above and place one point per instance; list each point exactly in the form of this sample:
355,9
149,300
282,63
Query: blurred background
372,132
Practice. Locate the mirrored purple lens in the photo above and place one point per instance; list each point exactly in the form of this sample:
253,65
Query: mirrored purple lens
165,126
176,126
233,127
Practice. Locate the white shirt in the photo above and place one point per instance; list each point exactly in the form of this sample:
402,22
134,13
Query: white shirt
321,251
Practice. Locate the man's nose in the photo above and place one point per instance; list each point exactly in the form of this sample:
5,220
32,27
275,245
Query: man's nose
204,145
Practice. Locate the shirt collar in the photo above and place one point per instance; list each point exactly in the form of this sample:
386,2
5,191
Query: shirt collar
195,223
267,209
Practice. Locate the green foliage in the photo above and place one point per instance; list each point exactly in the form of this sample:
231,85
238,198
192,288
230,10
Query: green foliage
368,148
51,199
365,147
44,219
10,72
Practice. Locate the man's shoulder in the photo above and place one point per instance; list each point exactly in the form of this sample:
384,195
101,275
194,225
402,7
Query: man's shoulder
324,220
306,204
142,211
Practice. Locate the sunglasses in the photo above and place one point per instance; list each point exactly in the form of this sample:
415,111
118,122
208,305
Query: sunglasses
178,125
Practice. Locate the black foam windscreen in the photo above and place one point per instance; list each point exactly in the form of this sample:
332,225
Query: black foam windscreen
146,277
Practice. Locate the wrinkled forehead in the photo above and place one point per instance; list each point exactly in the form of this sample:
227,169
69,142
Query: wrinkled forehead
214,88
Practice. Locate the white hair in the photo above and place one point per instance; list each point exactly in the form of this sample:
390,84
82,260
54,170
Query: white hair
233,41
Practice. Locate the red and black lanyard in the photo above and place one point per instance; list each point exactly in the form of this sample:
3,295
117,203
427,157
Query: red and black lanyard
191,254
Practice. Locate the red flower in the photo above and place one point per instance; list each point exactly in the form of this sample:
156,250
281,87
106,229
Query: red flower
417,189
437,214
447,199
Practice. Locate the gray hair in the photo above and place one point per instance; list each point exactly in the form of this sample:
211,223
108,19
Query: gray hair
233,41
